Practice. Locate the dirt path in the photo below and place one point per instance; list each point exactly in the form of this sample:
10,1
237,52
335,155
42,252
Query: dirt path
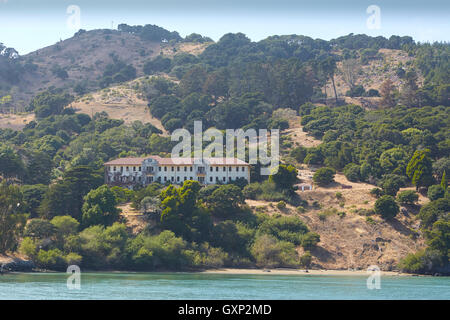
135,220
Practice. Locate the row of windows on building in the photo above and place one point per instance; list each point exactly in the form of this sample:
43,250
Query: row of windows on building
200,169
165,179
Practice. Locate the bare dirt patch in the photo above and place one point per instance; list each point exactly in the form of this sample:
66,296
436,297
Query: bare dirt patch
15,121
298,136
119,102
135,220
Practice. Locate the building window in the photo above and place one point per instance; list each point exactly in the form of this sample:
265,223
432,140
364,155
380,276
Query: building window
190,169
178,178
237,169
159,168
185,178
127,168
229,178
217,179
171,179
210,179
178,168
229,169
165,179
223,179
224,169
243,169
172,169
114,168
185,169
211,169
140,169
217,169
121,169
165,168
134,168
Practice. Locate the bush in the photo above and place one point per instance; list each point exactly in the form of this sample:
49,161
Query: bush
281,205
283,228
270,253
310,240
352,172
299,154
386,207
324,176
28,247
376,192
252,190
306,259
65,225
52,259
338,195
435,192
407,197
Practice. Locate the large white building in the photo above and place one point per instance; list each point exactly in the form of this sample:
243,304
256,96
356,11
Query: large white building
128,172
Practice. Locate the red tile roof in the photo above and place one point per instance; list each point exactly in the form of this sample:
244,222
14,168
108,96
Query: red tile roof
177,161
125,161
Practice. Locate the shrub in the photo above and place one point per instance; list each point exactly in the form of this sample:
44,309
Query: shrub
283,228
252,190
281,205
270,253
28,247
306,259
352,172
339,195
386,207
376,192
370,220
301,209
52,259
324,176
310,240
65,225
341,214
435,192
407,197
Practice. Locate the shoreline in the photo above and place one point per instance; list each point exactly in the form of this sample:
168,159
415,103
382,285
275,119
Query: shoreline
305,272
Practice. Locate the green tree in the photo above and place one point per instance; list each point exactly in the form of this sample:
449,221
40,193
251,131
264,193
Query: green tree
324,176
435,192
444,182
99,207
12,220
285,177
310,240
225,200
39,229
407,197
65,225
11,164
386,207
419,168
39,168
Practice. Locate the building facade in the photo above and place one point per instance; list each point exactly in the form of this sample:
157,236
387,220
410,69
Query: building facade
128,172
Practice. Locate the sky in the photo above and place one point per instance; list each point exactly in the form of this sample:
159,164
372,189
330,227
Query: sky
28,25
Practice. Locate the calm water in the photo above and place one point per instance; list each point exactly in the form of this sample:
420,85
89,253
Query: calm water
218,286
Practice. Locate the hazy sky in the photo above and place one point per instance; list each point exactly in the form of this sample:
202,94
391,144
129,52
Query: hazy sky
31,24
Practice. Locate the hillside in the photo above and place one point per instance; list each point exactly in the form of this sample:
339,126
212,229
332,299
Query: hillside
84,58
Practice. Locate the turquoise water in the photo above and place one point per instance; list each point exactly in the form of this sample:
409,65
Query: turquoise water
218,286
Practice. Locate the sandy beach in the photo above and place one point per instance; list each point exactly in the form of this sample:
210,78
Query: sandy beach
303,272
